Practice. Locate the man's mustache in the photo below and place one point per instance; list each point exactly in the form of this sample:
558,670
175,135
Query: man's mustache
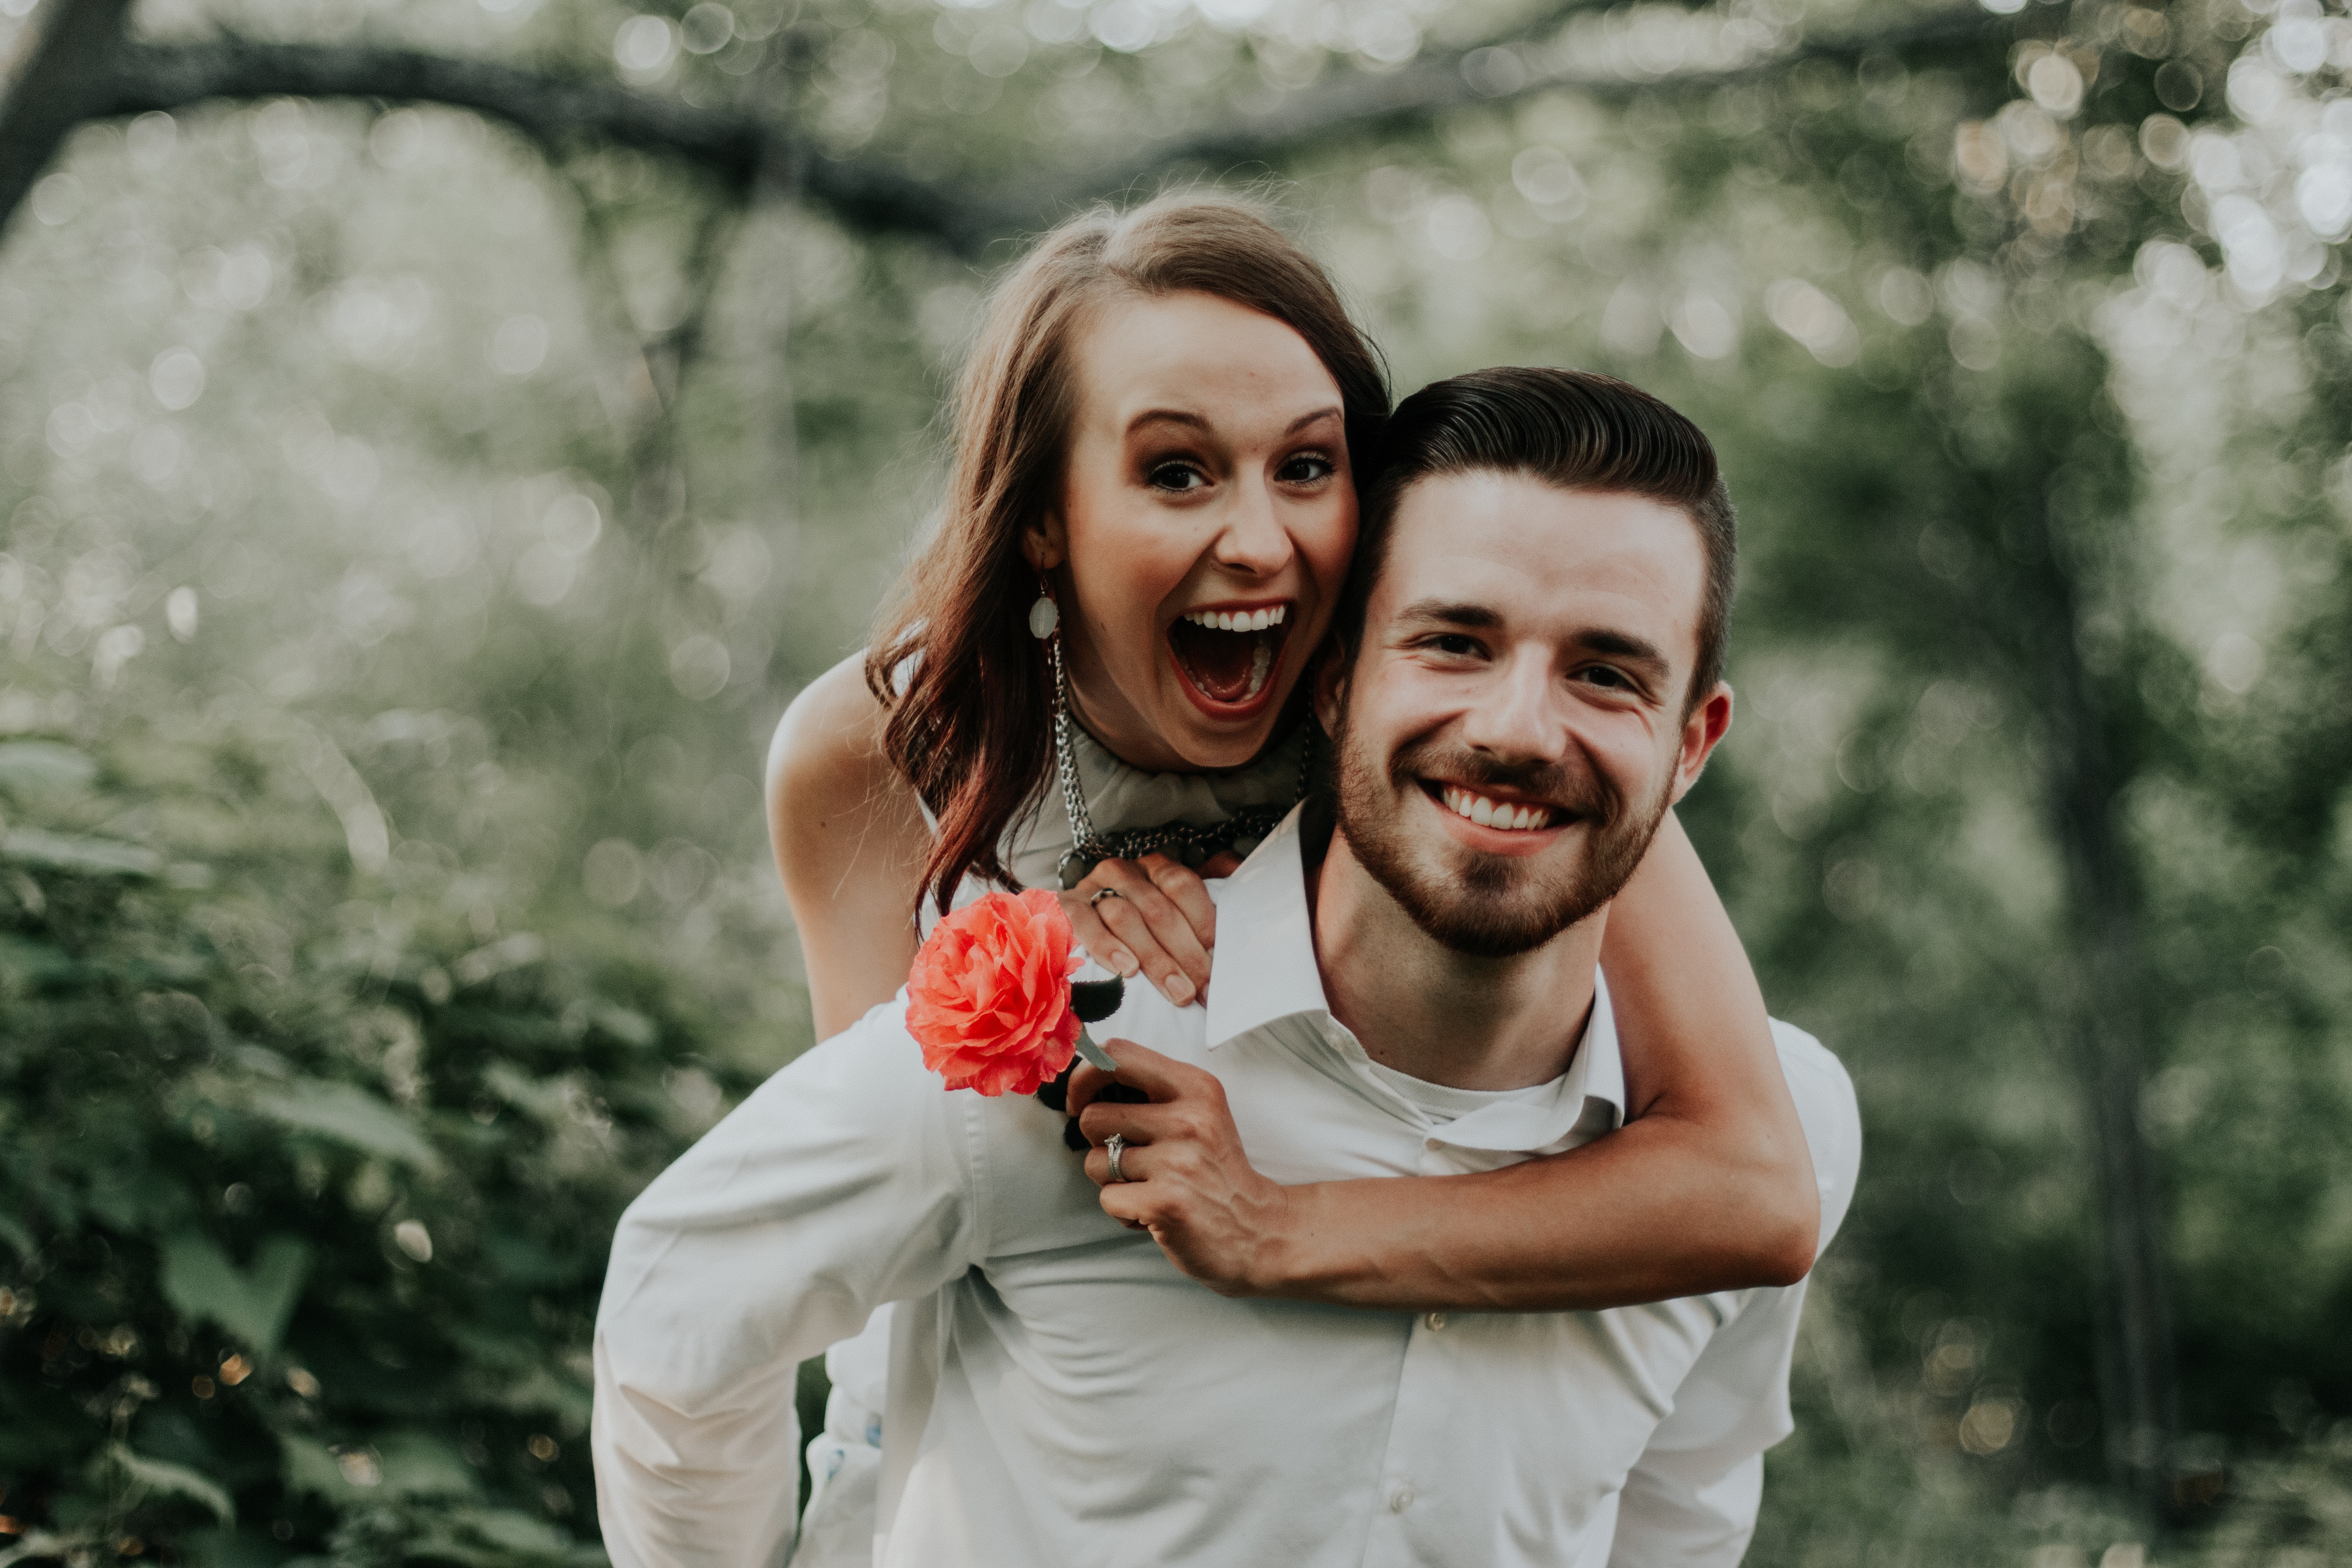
1573,791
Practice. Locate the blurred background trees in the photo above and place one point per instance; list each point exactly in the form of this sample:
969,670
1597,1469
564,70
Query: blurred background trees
436,440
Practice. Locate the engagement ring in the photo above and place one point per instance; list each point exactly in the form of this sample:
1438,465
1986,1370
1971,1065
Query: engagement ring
1115,1148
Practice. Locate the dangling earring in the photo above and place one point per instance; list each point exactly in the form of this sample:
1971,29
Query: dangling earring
1045,614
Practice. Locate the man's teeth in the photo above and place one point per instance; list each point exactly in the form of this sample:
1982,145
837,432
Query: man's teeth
1495,812
1238,620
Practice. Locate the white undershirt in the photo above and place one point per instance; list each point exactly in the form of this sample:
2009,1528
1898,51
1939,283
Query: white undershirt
1442,1103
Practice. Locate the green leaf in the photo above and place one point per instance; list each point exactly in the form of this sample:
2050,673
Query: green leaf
42,767
172,1480
418,1465
254,1304
213,1547
398,1465
311,1467
349,1115
517,1532
92,857
33,964
547,1100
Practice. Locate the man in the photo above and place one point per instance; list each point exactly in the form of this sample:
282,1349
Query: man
1526,682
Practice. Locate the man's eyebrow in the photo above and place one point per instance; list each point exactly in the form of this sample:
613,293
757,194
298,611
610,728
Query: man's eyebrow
1484,617
1622,644
1451,613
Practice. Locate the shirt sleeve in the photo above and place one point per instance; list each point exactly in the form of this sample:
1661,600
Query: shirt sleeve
844,1182
1691,1500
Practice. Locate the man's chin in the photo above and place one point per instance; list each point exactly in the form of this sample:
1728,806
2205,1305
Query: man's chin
1478,905
1485,932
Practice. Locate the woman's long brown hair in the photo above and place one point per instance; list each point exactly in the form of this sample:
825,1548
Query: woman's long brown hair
969,691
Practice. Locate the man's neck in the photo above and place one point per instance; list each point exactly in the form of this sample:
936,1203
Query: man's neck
1439,1016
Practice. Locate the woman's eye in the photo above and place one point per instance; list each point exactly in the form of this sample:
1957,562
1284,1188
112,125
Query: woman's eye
1307,469
1454,644
1176,477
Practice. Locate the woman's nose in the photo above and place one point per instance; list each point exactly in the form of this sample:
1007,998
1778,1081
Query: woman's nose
1253,542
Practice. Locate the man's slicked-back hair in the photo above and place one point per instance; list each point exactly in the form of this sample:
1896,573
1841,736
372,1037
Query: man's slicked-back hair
1571,428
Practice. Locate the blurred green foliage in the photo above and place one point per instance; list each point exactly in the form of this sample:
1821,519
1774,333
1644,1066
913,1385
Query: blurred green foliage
308,1194
408,537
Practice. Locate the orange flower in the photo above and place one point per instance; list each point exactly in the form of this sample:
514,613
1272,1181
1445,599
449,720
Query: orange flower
989,997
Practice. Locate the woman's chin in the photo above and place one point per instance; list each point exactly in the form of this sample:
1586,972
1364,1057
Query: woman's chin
1209,734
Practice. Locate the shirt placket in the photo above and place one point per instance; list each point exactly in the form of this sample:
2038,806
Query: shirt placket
1416,1507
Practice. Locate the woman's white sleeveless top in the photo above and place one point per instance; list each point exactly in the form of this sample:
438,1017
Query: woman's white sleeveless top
846,1459
1121,797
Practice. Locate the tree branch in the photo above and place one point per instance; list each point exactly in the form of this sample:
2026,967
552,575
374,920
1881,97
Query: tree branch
731,143
44,86
75,66
1495,74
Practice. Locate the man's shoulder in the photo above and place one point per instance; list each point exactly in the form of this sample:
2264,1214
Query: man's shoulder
1825,1101
867,1082
876,1053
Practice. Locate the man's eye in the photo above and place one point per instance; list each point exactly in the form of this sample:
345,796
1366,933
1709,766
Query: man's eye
1307,469
1177,477
1610,680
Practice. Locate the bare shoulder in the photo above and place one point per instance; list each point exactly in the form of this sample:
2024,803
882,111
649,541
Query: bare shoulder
826,757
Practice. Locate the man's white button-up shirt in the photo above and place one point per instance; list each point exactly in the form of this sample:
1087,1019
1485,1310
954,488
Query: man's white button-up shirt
1094,1406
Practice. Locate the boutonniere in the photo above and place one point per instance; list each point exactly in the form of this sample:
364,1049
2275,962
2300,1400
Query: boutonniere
992,1005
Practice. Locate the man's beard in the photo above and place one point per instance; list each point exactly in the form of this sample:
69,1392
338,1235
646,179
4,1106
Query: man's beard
1495,906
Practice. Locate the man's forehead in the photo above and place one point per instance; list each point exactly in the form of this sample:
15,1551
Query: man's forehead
1523,546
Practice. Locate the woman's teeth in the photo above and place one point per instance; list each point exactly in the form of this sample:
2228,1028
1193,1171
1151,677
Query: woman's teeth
1238,620
1229,656
1495,812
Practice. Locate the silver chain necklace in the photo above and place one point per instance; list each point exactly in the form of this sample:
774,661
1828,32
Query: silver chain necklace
1241,832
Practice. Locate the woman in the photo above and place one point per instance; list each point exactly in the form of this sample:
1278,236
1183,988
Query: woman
1093,678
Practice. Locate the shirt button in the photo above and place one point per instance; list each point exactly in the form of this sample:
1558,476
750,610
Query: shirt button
1435,1320
1400,1500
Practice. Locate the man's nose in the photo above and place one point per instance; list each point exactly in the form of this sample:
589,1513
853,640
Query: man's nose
1252,542
1520,714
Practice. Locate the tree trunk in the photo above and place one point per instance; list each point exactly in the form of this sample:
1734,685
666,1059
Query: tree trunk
2105,1014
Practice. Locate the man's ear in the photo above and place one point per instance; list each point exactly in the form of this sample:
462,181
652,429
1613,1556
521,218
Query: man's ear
1045,544
1702,731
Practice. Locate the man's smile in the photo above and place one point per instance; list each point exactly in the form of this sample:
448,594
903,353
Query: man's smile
1486,811
1493,820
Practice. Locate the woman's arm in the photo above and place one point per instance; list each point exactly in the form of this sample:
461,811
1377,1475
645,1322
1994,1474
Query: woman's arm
1709,1187
850,841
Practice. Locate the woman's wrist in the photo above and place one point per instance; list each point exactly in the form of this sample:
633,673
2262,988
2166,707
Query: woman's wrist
1295,1255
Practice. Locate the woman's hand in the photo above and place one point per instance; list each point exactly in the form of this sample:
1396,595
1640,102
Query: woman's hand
1187,1180
1151,914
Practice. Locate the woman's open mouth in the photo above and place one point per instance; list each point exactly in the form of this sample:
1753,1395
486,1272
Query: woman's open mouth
1227,654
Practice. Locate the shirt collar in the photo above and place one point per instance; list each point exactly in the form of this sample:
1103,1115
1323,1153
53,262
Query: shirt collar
1264,971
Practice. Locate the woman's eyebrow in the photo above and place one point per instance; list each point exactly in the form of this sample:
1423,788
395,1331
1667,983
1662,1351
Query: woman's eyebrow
1167,416
1195,422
